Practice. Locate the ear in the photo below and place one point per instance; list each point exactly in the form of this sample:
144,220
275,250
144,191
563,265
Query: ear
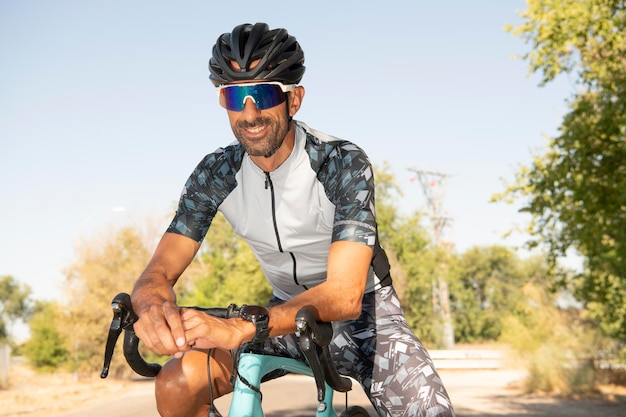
295,100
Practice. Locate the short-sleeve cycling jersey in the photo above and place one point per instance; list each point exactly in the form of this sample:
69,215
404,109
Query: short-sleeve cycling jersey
322,193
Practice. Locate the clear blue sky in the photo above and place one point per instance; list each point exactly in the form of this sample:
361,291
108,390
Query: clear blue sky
108,104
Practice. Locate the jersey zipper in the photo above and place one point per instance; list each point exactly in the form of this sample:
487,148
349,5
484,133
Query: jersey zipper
270,185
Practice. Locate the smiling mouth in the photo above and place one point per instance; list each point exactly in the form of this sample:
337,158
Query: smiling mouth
255,129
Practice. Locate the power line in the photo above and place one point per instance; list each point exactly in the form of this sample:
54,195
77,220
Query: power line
434,188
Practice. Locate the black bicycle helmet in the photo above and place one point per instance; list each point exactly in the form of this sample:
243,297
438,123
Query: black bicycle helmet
281,57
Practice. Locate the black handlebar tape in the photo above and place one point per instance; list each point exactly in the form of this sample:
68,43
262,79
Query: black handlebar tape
333,378
219,312
131,341
321,334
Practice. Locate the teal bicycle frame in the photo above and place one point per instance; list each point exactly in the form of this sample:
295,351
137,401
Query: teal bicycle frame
252,366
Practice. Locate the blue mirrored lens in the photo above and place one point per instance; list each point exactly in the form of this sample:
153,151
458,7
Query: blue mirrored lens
265,96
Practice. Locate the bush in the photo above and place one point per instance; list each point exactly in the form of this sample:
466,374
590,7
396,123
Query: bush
554,345
46,349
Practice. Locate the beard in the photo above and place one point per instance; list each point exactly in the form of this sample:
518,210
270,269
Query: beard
266,146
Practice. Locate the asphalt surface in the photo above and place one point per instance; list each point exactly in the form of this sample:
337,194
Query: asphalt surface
290,396
475,393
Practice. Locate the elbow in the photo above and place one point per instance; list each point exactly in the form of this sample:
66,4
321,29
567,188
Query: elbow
353,307
339,307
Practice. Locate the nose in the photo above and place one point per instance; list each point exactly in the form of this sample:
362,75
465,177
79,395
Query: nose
250,110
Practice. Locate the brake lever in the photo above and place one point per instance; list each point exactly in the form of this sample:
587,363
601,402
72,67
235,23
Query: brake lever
123,318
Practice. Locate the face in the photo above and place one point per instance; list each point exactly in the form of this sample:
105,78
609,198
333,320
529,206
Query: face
260,132
263,132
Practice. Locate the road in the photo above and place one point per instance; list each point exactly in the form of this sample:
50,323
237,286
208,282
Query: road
475,393
290,396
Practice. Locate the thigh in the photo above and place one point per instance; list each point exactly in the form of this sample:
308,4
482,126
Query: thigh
381,352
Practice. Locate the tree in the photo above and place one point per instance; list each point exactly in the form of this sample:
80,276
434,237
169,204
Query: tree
105,266
412,258
74,332
47,349
15,304
576,190
387,218
486,288
418,259
554,344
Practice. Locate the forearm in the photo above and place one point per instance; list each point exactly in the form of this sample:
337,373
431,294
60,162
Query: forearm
325,304
336,299
170,259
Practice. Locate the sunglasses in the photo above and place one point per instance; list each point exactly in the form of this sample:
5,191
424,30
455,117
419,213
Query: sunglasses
264,95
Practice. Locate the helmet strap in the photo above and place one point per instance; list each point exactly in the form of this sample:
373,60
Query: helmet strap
289,118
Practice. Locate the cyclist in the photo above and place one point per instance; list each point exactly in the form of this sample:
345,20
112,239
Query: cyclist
304,202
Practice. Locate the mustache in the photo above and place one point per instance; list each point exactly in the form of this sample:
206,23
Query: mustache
258,122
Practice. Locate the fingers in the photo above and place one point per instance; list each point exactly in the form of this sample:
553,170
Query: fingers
174,322
197,328
205,331
161,330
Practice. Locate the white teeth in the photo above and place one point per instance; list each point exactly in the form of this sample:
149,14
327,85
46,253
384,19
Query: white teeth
255,130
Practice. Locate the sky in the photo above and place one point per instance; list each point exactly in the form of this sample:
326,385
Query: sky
106,107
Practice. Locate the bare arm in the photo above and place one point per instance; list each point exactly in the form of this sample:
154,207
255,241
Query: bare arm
159,325
338,298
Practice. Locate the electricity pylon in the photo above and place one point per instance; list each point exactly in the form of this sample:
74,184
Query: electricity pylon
433,185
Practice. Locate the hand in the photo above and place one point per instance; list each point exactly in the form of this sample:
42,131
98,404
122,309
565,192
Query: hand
160,328
205,331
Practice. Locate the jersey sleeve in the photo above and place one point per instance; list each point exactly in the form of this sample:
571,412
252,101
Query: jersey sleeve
350,186
205,189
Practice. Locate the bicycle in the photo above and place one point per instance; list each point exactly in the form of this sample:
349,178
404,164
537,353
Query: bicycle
251,365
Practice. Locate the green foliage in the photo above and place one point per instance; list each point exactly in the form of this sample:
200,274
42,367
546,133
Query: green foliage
575,190
412,260
105,267
47,349
387,191
586,36
487,285
15,304
419,264
554,344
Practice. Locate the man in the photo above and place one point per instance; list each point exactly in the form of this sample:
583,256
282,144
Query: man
304,201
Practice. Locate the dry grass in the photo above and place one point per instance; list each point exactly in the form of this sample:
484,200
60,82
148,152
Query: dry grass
33,394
